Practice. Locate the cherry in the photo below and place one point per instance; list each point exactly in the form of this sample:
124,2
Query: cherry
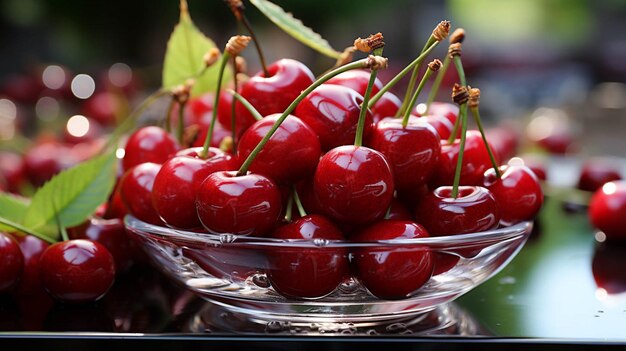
77,270
12,262
504,141
219,133
608,266
136,191
247,204
307,271
103,107
308,197
517,191
596,172
12,168
32,248
357,80
475,161
273,93
537,167
332,111
412,151
290,155
45,160
148,144
607,210
445,109
354,184
391,272
115,208
387,106
177,183
442,125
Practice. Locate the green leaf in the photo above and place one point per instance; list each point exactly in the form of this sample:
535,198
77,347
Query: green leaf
295,28
184,57
74,193
12,208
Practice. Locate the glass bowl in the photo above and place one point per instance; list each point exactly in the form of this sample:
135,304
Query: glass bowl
231,271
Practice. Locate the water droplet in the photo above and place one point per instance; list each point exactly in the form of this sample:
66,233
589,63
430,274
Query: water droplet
396,327
348,286
320,242
371,332
227,238
347,332
274,326
261,280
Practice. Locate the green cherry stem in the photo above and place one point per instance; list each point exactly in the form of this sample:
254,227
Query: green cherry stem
255,113
400,75
23,229
429,72
289,209
233,124
209,135
476,114
411,86
168,116
461,72
459,162
434,90
363,63
296,200
360,127
181,122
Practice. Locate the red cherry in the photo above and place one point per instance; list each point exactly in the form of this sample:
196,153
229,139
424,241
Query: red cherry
32,248
537,167
77,270
398,211
442,125
387,106
332,111
608,266
596,172
444,109
393,273
12,261
607,210
291,154
247,204
116,207
475,161
45,160
149,144
136,191
307,272
504,141
102,107
518,193
12,168
354,184
412,151
273,94
357,80
219,133
177,183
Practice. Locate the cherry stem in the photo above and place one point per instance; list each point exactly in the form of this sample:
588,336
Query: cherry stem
434,90
411,86
209,135
400,75
181,122
388,213
461,72
23,229
246,24
233,124
494,164
363,63
289,210
255,113
168,117
459,162
296,199
360,127
411,104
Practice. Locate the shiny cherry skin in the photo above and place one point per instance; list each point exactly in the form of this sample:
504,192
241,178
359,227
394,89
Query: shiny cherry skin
291,154
596,172
32,248
354,184
115,208
149,144
357,80
387,106
12,261
12,169
518,193
45,160
332,111
504,140
412,151
608,266
287,79
177,183
307,272
136,191
442,125
607,210
393,273
475,161
444,109
248,205
77,270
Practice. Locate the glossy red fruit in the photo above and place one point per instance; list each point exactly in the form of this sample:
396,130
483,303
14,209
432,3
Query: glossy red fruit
475,161
608,266
537,167
115,208
149,144
357,80
290,155
517,192
287,79
32,248
311,270
103,107
607,210
354,184
45,160
219,133
596,172
12,262
412,151
332,111
442,125
387,106
393,271
136,191
77,270
246,205
444,109
504,140
398,211
177,183
12,168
